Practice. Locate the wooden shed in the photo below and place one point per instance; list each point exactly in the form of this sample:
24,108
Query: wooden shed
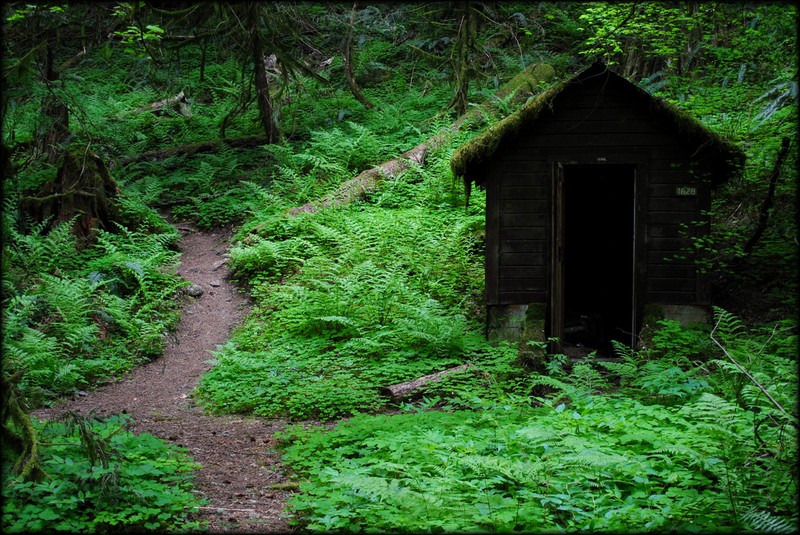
593,192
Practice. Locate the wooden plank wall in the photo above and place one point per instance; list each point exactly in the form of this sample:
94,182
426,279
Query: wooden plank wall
595,119
524,222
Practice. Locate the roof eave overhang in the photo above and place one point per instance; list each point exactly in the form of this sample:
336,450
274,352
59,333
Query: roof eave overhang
472,160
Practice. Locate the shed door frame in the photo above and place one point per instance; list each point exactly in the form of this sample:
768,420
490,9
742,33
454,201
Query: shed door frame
556,163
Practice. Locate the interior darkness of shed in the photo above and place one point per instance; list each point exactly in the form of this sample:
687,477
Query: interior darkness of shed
598,256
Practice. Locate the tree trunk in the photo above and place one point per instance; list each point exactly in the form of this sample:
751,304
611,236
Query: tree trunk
203,48
695,40
462,68
763,216
6,166
263,99
53,125
347,51
83,189
19,435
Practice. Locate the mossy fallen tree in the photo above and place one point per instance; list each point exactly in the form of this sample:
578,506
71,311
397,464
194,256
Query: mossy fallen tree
522,86
400,391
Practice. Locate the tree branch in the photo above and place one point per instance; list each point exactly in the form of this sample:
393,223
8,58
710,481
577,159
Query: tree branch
741,368
763,216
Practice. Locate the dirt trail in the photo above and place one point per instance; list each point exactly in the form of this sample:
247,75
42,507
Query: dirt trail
239,464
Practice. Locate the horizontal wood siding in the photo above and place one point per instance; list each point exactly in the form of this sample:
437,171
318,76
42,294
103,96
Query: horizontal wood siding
582,120
672,275
522,241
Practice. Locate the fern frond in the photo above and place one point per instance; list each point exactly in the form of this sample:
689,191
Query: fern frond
727,325
765,522
595,458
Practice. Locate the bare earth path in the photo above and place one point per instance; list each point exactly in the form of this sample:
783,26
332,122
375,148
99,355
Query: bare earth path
239,464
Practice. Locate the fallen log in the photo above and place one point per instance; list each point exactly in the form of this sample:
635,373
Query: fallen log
179,103
357,188
522,86
402,390
195,148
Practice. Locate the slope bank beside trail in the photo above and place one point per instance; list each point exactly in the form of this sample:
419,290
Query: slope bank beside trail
239,463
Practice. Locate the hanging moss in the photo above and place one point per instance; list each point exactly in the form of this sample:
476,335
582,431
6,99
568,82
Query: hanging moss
19,436
470,159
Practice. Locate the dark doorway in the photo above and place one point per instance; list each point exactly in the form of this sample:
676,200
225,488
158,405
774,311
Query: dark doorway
598,214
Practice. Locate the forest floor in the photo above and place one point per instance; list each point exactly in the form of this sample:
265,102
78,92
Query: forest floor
240,466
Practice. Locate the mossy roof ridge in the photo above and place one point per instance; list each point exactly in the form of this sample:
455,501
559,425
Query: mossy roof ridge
469,160
482,147
688,124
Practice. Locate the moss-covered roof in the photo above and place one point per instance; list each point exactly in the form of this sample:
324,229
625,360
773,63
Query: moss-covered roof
471,159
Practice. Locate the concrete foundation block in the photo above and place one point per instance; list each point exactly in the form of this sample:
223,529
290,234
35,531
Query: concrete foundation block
524,324
506,322
684,314
687,314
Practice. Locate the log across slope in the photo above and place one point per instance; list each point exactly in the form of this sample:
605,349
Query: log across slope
521,86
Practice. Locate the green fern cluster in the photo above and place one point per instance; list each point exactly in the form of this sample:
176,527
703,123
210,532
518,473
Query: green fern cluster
75,317
583,457
604,464
353,299
368,298
311,169
211,190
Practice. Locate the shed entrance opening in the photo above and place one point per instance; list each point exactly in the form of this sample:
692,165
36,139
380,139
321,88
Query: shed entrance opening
594,260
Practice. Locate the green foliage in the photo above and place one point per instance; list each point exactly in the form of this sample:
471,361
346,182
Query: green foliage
758,369
574,460
658,30
601,463
207,188
102,478
352,310
685,435
75,317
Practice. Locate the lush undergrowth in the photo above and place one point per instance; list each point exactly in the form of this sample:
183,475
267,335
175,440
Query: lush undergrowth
76,316
353,299
687,445
689,435
101,478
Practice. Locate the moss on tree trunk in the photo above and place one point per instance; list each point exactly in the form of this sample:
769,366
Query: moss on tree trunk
83,189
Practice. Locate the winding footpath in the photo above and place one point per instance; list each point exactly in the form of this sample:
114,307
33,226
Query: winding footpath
240,472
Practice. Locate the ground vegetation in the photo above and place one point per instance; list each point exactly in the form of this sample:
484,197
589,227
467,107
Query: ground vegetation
236,114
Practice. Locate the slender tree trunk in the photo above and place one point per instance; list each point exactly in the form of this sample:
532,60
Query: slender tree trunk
347,51
203,48
263,99
763,216
463,48
695,38
54,121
